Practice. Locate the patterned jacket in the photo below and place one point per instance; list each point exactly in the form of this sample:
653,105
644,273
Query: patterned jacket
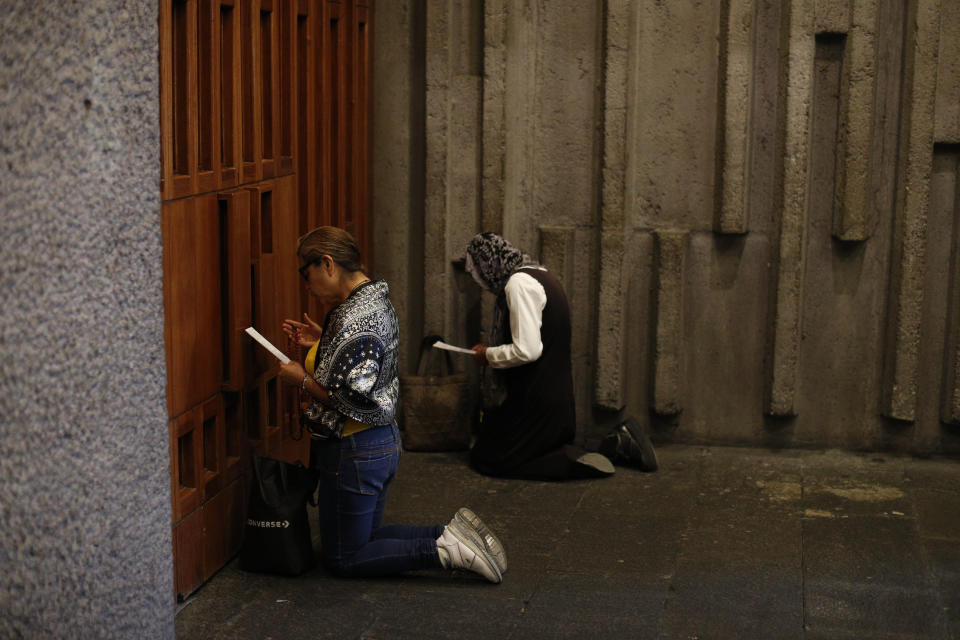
356,363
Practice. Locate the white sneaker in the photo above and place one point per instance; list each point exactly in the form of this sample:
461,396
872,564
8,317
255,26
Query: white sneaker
491,544
465,549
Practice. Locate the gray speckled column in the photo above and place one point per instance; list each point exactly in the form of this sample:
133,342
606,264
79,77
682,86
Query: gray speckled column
85,546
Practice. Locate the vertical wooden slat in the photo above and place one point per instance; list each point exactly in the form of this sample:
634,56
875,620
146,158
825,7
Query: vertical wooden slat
166,100
287,64
360,118
273,410
269,83
235,283
180,263
336,83
230,94
188,552
235,441
192,277
264,293
187,462
285,231
251,117
222,527
178,69
213,447
208,95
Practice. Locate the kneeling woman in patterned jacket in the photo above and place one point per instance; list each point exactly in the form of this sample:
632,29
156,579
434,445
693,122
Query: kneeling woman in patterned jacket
351,380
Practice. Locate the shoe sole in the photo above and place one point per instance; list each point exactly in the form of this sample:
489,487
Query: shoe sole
491,543
468,537
598,462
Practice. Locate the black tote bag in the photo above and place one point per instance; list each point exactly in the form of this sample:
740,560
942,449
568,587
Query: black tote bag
276,537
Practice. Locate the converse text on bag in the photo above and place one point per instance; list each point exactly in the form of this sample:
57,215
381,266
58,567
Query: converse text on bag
278,524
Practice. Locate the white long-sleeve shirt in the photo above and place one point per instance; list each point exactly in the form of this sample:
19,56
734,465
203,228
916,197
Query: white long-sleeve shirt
526,299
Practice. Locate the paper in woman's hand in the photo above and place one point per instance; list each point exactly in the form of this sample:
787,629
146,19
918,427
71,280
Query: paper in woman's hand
439,344
266,344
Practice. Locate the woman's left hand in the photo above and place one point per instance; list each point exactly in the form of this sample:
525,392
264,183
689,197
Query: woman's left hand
292,372
480,353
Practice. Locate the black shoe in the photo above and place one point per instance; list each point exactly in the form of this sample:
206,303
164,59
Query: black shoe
629,444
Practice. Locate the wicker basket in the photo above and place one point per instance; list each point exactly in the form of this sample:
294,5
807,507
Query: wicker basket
438,410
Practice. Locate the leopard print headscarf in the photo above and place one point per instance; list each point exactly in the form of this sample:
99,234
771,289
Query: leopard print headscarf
491,261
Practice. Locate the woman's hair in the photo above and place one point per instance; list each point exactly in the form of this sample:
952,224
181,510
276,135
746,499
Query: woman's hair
334,242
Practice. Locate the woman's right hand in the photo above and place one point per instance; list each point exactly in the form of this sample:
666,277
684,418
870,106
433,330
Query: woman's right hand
304,334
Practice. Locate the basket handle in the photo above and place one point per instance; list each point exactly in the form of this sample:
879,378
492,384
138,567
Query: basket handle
446,364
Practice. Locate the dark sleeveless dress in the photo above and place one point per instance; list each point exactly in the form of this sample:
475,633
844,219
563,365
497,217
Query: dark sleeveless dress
538,416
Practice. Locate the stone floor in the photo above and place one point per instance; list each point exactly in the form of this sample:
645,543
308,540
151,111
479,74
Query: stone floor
720,543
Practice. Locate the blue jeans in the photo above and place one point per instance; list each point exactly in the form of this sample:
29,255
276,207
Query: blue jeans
355,473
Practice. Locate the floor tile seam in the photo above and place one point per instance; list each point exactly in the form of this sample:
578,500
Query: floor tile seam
933,493
892,586
803,554
550,567
942,624
940,538
671,590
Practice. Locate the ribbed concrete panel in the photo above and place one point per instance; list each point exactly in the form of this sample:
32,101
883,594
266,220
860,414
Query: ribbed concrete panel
557,253
453,156
724,321
785,359
853,197
945,214
522,85
736,66
608,381
790,140
909,253
494,96
668,344
397,155
639,294
436,277
832,16
948,74
673,115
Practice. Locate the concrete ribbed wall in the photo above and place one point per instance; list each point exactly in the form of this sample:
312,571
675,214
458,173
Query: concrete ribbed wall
752,204
85,545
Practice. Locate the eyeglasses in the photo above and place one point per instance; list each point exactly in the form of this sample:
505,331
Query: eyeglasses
305,270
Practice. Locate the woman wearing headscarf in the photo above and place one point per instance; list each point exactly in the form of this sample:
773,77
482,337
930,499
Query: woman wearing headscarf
350,382
529,421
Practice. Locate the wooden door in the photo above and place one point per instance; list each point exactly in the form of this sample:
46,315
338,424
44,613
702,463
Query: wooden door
264,136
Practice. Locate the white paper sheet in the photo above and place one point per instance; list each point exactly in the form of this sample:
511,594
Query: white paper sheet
439,344
266,344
